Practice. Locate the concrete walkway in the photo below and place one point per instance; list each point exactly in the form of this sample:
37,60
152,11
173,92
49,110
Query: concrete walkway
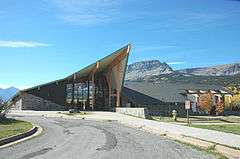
222,138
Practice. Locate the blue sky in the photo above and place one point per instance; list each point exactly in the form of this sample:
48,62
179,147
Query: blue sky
44,40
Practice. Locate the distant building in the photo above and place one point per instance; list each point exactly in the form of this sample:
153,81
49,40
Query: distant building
216,96
163,97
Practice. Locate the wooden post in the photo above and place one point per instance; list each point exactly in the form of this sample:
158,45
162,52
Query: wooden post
72,103
118,82
88,94
93,91
118,99
109,90
93,83
73,85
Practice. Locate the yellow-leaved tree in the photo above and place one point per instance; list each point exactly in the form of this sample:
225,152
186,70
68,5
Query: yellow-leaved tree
236,102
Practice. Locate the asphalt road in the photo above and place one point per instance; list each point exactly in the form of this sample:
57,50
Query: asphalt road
80,139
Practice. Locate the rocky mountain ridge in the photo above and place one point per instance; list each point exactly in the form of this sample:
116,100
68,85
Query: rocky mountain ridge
144,70
7,93
218,70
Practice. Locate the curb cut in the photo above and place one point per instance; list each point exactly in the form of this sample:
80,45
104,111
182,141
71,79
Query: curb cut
8,141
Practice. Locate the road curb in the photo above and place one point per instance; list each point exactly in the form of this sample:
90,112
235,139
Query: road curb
231,153
192,141
228,152
8,141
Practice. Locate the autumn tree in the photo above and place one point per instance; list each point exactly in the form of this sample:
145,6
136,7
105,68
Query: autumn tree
219,107
205,102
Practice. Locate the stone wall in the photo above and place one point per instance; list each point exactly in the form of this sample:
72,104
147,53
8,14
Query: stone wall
166,109
31,102
138,112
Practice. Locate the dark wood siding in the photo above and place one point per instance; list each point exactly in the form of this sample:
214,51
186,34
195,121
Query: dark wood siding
55,92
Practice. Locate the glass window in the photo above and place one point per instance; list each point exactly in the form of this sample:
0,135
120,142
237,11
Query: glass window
80,92
76,91
69,93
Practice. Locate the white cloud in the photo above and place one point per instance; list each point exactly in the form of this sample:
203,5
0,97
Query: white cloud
85,20
85,12
4,86
23,87
154,48
190,20
21,44
176,63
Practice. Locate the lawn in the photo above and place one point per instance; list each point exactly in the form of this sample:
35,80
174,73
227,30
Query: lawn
9,127
200,119
228,128
218,123
193,119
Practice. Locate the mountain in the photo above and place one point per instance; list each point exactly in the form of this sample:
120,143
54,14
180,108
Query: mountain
7,93
219,70
157,72
146,69
181,78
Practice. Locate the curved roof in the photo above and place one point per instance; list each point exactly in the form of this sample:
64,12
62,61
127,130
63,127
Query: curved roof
101,65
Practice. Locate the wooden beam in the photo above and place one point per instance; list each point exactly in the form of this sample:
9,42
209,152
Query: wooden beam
118,89
109,82
72,103
116,62
88,95
93,83
118,98
118,59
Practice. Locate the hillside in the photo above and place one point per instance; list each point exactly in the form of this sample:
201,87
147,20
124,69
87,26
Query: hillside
194,79
7,93
219,70
155,71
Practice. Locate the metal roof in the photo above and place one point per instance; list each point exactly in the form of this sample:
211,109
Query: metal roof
168,92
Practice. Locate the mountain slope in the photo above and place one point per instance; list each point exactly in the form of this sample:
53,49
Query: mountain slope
7,93
145,69
194,79
155,71
219,70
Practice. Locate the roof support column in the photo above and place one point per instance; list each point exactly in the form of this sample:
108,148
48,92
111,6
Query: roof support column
109,81
118,98
73,91
88,95
118,82
93,90
93,85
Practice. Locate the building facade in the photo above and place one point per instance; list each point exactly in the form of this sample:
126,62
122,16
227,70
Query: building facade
208,101
95,87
